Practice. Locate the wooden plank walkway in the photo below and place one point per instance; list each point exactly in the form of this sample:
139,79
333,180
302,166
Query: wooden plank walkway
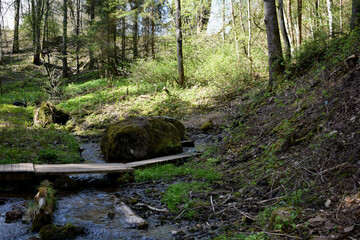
23,170
58,169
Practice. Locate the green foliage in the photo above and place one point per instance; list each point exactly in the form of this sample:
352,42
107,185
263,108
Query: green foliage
166,172
177,196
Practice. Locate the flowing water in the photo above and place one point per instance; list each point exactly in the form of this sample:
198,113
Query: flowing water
89,209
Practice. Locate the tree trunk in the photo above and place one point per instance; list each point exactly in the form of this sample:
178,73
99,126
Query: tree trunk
223,20
64,49
112,51
249,39
283,31
37,18
92,18
299,21
291,24
123,39
16,27
234,29
181,80
135,34
341,15
1,48
46,25
152,32
276,67
330,16
355,14
77,32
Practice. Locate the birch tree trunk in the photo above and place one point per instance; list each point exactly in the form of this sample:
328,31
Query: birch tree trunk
16,27
283,30
181,80
223,20
355,14
64,47
276,67
330,17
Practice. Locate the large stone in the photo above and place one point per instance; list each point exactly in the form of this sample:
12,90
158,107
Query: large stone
47,113
140,138
54,232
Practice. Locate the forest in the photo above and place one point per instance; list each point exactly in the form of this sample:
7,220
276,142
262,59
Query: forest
170,119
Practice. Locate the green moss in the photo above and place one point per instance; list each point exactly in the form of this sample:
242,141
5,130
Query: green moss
54,232
140,138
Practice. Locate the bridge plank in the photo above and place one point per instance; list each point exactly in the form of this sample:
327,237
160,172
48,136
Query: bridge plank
49,169
57,169
166,159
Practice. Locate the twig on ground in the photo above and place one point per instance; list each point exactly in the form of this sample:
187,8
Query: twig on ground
152,208
212,204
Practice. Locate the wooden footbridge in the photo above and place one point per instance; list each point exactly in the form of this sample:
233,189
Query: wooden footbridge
23,171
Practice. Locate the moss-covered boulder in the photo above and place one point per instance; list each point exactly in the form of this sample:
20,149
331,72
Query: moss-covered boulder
140,138
207,126
179,126
54,232
47,113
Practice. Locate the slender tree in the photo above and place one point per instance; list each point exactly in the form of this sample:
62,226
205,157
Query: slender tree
16,27
223,20
91,24
330,17
37,11
276,67
64,47
355,14
77,32
181,80
135,29
283,30
299,10
234,29
1,47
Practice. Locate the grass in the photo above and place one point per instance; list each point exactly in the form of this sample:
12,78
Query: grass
177,197
169,171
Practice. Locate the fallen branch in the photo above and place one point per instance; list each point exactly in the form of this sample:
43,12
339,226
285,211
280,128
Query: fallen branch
131,218
152,208
212,204
333,168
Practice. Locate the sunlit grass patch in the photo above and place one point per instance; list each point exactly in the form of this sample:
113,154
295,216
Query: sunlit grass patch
25,91
177,196
201,171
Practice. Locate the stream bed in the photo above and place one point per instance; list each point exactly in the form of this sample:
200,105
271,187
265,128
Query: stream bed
94,209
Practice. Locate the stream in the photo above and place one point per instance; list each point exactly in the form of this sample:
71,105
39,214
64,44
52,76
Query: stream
94,209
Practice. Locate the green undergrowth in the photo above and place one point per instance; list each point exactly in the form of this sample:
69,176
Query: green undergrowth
289,144
21,142
177,197
203,171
